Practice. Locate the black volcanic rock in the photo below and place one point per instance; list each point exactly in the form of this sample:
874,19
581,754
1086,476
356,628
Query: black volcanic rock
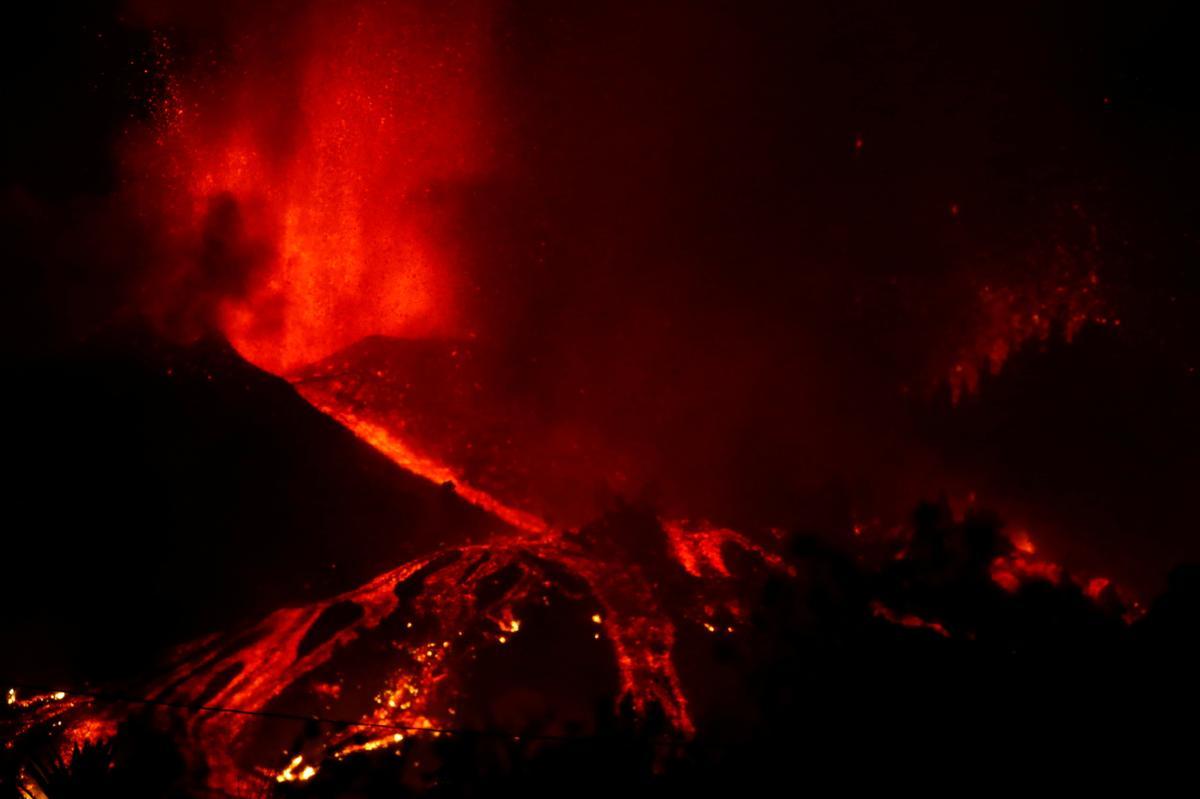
158,491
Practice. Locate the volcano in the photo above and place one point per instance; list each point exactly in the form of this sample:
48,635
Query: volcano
505,626
486,565
524,398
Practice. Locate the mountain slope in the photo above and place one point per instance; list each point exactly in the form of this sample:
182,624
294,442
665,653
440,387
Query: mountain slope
159,491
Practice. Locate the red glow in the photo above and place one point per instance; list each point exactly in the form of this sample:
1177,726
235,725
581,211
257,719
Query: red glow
1023,543
912,621
333,140
1009,317
1096,586
448,626
1010,572
700,550
313,164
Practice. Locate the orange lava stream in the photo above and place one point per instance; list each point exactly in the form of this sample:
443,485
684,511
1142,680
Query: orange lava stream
407,458
910,620
429,608
449,627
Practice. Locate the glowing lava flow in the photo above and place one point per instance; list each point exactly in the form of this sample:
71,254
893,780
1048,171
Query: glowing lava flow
1022,565
433,615
408,458
430,609
389,657
304,181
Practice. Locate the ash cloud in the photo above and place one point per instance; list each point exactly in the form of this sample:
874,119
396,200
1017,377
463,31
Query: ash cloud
743,244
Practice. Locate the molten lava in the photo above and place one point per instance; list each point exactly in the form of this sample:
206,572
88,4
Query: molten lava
435,614
307,168
305,199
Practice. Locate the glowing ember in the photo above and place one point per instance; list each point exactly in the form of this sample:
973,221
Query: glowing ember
404,455
1011,573
1096,587
912,621
1014,570
289,774
320,186
436,610
700,550
1065,299
1023,543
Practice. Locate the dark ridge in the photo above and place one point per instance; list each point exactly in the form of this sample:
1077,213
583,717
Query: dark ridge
218,682
336,617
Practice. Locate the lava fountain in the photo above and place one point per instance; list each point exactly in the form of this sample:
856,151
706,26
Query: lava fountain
303,199
303,174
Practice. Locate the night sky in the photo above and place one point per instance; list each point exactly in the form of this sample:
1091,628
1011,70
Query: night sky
744,242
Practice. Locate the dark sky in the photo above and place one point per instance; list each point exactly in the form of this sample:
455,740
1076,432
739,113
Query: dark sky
747,241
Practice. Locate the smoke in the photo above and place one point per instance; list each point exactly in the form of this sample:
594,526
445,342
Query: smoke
743,254
732,255
334,128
